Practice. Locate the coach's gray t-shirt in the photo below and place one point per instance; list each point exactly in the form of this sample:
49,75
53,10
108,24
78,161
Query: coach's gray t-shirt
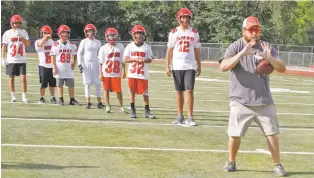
246,86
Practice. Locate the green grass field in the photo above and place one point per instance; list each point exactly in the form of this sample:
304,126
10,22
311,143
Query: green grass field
70,141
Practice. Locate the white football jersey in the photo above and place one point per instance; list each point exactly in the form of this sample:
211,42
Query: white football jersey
183,44
88,49
44,52
136,69
111,59
63,54
15,46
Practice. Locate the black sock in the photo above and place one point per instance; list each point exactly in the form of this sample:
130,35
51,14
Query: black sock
146,107
132,106
61,98
71,99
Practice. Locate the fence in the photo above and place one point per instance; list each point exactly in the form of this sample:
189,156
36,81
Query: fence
293,55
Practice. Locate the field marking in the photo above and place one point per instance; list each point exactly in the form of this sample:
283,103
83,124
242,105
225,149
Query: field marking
134,123
170,109
142,148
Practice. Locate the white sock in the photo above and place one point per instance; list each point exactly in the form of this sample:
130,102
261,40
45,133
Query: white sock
87,90
98,92
24,96
13,95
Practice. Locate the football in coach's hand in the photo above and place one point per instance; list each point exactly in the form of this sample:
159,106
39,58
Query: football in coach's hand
264,68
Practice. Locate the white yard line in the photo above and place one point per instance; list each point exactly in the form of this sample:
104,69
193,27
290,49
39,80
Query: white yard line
132,123
141,148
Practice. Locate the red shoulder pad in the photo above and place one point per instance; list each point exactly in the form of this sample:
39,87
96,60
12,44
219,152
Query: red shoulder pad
173,30
56,43
195,30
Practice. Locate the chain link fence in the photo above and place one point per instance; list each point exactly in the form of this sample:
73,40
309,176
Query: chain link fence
292,55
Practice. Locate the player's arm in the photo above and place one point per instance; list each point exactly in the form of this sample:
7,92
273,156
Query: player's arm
129,60
74,61
123,70
41,42
80,53
54,65
3,51
26,42
197,53
3,54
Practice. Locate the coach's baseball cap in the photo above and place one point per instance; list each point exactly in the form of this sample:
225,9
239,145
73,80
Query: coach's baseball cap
250,22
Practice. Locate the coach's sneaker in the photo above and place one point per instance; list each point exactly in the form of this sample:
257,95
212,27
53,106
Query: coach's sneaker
108,109
61,101
190,122
41,100
179,120
73,102
148,115
230,166
53,100
100,105
280,171
89,105
133,113
123,110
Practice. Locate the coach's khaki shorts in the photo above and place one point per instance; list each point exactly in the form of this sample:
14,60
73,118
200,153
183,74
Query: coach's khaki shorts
241,117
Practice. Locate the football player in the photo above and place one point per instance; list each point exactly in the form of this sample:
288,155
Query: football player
138,54
61,53
14,41
43,47
183,50
88,63
112,68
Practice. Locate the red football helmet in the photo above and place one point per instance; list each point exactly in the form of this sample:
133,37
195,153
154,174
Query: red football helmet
184,12
64,28
138,29
89,27
46,29
14,19
111,35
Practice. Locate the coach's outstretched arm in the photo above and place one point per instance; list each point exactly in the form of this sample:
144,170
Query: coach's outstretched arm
277,64
228,64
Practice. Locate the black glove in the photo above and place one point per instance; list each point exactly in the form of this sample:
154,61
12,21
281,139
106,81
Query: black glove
80,68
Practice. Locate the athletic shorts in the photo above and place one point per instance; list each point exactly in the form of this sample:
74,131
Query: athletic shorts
15,69
46,77
69,82
112,84
184,79
138,86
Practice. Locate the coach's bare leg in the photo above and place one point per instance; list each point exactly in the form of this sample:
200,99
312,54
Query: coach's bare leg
234,145
146,99
180,102
71,92
23,83
106,93
52,91
120,98
11,83
60,91
273,145
189,102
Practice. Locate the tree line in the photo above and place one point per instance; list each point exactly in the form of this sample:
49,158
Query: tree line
282,22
